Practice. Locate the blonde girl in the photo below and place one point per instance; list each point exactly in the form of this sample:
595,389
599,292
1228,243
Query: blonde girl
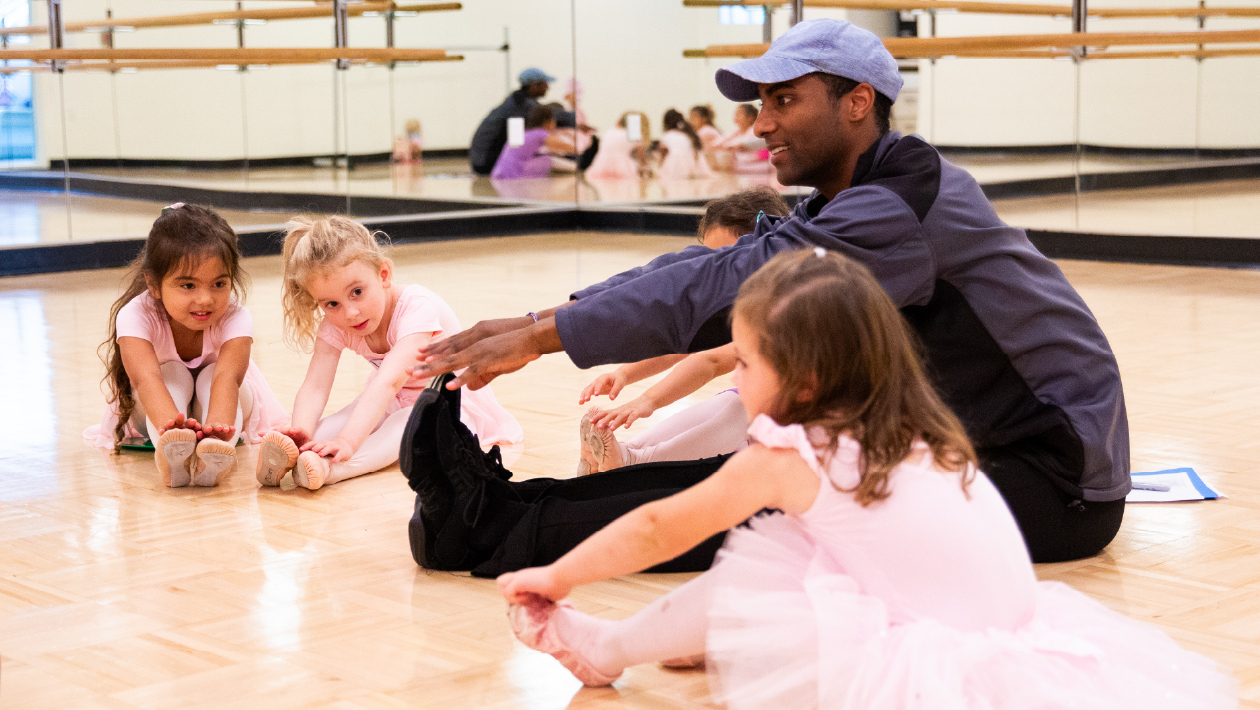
179,353
893,577
340,294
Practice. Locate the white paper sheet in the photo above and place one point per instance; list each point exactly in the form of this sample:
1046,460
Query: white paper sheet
1183,484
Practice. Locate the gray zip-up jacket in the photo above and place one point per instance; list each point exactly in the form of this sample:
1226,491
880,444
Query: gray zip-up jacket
1010,345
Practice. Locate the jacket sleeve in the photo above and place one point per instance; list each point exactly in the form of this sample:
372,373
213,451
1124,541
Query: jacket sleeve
680,302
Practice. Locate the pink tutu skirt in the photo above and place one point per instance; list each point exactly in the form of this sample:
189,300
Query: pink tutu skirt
788,629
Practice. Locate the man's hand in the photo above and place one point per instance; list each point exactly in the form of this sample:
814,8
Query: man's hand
483,358
466,339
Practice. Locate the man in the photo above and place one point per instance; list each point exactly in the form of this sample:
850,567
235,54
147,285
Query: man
491,135
1011,346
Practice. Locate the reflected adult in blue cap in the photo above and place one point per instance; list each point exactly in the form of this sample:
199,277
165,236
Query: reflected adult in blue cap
491,135
1011,347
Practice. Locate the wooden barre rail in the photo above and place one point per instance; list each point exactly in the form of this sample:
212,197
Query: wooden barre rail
926,47
209,18
999,8
166,64
300,55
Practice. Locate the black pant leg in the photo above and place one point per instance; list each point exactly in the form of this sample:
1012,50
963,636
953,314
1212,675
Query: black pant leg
569,511
1056,525
588,156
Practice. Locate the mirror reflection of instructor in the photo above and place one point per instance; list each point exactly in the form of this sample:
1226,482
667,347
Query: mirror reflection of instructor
491,135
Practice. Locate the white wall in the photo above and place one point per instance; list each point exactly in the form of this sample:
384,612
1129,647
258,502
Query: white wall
1141,103
628,56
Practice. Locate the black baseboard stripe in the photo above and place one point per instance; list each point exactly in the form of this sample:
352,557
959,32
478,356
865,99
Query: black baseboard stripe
1195,251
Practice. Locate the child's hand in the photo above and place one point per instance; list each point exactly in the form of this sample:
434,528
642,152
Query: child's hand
180,422
625,415
218,431
299,435
337,449
609,383
517,586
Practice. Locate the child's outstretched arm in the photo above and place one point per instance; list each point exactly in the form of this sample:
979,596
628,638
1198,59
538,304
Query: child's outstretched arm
312,396
611,383
390,378
225,388
140,361
757,477
690,375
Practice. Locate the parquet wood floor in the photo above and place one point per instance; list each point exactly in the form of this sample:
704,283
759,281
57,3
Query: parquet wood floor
118,593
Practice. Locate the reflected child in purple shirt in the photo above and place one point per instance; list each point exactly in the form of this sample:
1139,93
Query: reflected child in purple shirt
531,159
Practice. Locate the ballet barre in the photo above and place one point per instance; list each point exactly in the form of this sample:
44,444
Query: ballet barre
1020,45
227,55
227,16
999,8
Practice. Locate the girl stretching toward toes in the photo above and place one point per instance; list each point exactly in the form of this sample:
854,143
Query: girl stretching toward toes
178,335
335,267
718,426
895,576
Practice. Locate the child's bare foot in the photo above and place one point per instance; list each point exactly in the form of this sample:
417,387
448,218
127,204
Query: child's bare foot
175,454
311,470
587,463
214,456
277,454
605,449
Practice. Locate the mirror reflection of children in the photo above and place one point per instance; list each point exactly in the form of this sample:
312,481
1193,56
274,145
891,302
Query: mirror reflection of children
891,574
334,268
701,119
711,428
740,150
409,147
619,157
178,356
682,152
533,158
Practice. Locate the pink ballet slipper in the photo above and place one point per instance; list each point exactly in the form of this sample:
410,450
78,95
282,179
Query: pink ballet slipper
276,456
311,471
532,622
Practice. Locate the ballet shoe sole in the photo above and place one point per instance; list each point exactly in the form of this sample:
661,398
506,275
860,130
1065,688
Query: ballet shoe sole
584,435
273,463
179,455
303,478
213,458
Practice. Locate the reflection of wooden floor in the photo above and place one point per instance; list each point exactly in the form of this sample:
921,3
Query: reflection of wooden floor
1215,209
30,217
117,593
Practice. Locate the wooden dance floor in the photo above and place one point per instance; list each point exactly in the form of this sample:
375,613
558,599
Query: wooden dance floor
119,594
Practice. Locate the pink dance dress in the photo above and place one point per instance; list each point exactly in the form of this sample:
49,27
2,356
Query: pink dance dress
613,160
420,310
926,599
145,318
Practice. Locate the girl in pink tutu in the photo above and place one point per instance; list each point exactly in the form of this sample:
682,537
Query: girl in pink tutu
334,268
178,353
891,574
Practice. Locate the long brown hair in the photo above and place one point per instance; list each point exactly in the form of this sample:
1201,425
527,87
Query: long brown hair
675,121
182,236
848,362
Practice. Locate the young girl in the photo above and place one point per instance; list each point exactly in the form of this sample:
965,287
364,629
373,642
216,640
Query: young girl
333,266
894,576
741,150
619,157
178,335
533,158
717,426
682,153
409,147
701,119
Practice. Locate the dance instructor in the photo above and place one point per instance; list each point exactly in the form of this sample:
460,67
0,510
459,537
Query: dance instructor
1010,345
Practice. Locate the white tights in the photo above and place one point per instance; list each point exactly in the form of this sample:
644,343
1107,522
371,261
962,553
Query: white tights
183,388
673,626
379,450
718,426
